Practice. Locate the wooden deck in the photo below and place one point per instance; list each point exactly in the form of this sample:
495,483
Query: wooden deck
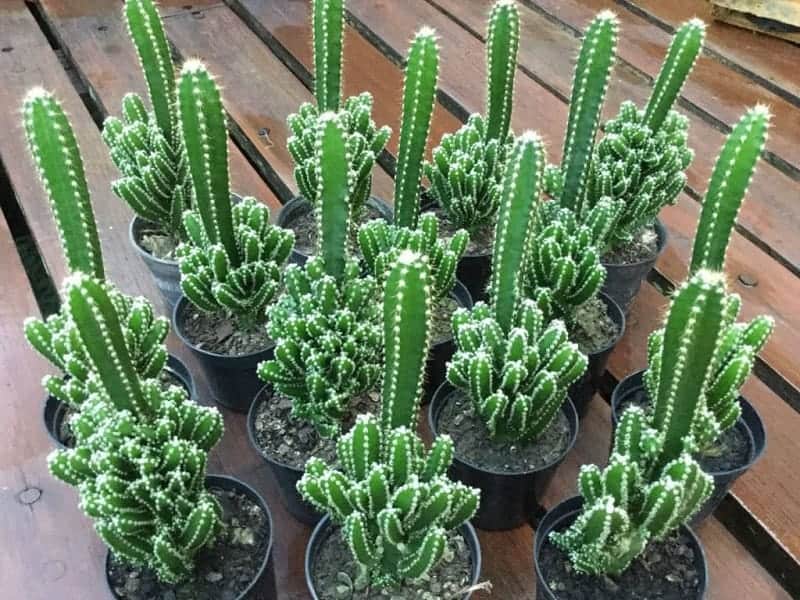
260,49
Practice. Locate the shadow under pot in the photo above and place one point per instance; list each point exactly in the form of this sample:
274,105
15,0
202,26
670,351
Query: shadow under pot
623,279
671,568
227,359
166,272
328,556
511,476
297,215
237,565
582,391
57,413
285,474
442,345
729,457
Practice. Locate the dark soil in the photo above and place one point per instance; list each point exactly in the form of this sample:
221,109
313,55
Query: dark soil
155,242
644,246
665,571
442,322
593,329
217,333
732,450
473,445
292,442
334,573
480,241
305,228
222,571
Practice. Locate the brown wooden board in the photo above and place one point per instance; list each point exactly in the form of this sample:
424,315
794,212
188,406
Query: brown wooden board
770,62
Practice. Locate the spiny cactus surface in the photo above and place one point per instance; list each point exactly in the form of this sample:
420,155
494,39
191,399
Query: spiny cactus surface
328,27
391,497
502,46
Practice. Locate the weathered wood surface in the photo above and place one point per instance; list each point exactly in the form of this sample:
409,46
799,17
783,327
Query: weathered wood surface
265,75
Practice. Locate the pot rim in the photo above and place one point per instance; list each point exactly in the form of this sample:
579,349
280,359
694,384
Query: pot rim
182,302
572,505
616,314
325,523
750,420
228,482
444,391
662,236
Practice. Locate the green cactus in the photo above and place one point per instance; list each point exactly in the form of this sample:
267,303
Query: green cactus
419,97
55,152
232,259
328,27
502,46
325,324
146,146
141,451
391,498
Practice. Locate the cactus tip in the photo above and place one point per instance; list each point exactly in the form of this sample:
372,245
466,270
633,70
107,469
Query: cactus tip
426,32
607,15
35,93
409,257
761,110
697,23
193,65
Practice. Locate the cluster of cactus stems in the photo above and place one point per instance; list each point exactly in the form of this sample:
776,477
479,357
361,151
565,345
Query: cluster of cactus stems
139,460
391,497
381,242
231,262
514,365
696,365
55,152
146,145
466,169
365,141
326,323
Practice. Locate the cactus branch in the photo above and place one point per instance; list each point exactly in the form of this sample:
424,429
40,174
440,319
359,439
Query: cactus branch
328,26
502,45
334,189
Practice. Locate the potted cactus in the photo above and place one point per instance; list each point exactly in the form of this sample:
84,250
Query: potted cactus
232,258
563,274
365,141
381,242
637,506
729,433
57,157
637,166
466,168
139,465
146,147
396,525
326,326
505,400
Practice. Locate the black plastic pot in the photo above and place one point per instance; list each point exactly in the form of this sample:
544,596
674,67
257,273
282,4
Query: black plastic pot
508,500
582,391
474,271
442,352
750,421
166,273
55,410
232,379
623,281
299,206
325,528
263,585
287,476
563,514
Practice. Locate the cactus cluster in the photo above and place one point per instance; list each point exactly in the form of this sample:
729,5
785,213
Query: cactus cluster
465,172
325,324
232,259
392,498
146,145
140,456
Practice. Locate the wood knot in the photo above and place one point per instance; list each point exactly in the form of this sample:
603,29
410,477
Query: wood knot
29,495
747,280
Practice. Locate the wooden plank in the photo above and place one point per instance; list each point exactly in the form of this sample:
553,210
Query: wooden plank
769,62
462,61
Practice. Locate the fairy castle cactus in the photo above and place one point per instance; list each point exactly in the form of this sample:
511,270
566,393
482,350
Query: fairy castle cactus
391,497
466,169
563,269
514,365
232,259
55,152
146,146
140,457
325,324
365,141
